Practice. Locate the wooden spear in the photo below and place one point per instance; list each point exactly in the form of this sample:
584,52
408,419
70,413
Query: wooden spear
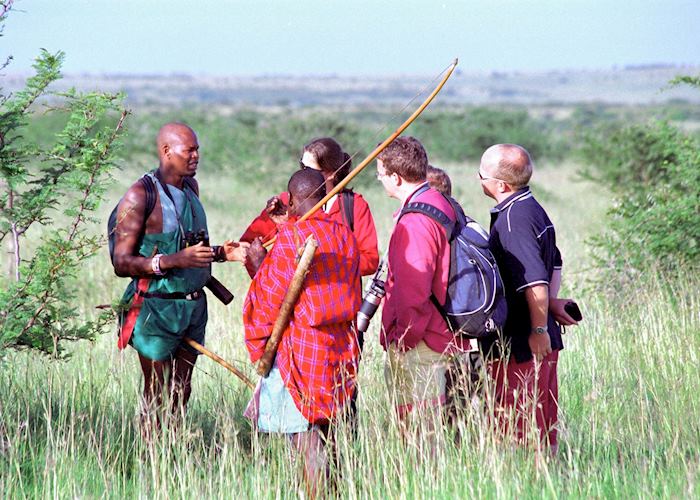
221,361
290,300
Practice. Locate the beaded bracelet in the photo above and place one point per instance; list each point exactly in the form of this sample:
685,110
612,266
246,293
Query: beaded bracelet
155,265
219,253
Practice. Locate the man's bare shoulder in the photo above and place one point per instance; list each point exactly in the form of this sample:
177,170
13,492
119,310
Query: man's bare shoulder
135,192
133,202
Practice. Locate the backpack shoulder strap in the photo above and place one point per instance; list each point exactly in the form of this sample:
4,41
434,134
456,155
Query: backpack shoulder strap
150,188
189,182
347,206
433,212
450,226
459,211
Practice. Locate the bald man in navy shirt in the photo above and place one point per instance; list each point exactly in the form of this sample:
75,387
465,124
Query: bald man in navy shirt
523,241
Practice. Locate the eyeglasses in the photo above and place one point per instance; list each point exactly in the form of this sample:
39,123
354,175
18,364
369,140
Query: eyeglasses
304,166
487,177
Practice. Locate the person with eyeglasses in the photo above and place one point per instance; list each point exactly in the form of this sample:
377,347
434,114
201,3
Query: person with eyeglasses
523,361
418,342
324,154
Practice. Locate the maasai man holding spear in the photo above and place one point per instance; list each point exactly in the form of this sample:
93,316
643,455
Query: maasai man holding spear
313,376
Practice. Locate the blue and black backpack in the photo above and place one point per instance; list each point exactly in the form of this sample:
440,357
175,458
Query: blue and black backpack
475,305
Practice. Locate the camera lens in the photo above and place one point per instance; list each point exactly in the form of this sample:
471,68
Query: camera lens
369,305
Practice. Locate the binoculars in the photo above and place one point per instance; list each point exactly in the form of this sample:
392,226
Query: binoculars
193,238
215,286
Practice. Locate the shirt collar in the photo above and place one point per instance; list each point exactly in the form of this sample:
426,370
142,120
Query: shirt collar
408,199
520,195
413,193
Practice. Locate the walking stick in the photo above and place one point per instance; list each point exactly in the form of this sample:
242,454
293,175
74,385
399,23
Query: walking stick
196,345
290,299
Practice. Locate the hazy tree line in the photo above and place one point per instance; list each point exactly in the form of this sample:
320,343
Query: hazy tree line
56,162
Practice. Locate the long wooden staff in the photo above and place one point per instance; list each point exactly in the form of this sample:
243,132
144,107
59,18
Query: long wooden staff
338,187
196,345
290,299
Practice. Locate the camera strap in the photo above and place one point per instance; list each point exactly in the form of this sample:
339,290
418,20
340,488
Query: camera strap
166,190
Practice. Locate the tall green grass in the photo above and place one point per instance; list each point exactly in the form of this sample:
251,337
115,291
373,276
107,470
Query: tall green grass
630,416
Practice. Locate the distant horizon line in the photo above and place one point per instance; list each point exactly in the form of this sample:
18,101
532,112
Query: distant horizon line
339,75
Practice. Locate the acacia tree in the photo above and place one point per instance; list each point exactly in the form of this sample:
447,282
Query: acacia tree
58,188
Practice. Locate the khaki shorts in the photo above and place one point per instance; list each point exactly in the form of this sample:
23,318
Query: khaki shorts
416,378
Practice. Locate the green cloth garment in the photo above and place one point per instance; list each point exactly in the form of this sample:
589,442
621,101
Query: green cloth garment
163,323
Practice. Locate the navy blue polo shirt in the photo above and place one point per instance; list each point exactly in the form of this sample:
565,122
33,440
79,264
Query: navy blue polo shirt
524,245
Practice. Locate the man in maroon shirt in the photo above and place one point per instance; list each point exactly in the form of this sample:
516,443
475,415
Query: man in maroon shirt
414,334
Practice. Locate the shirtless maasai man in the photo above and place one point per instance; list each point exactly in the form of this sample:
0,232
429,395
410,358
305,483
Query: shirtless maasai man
168,271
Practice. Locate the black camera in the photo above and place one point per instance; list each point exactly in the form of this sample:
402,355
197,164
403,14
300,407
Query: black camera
193,238
373,297
571,308
215,286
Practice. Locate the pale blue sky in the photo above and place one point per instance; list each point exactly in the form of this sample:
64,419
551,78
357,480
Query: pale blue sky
351,37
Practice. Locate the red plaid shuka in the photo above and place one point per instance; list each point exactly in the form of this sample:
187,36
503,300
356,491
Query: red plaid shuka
318,354
365,233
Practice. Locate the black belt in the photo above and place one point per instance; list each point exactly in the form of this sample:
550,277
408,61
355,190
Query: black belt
196,295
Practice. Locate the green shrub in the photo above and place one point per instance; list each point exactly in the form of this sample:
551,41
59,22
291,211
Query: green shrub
465,134
654,224
626,158
54,186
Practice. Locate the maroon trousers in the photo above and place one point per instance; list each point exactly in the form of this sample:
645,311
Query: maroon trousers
526,392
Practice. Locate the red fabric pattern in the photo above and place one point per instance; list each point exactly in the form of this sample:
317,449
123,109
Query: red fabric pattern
262,226
318,354
364,230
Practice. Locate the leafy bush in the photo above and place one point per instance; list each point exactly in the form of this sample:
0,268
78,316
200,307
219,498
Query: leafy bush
56,184
654,172
624,158
465,134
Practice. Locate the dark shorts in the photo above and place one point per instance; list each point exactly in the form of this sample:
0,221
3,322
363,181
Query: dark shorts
164,323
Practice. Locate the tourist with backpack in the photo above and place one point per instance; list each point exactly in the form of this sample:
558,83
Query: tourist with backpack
523,241
414,333
160,240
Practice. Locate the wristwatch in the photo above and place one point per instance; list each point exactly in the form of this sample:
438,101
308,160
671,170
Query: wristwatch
540,330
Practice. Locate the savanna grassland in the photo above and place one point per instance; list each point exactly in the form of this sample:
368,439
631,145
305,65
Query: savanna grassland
630,404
